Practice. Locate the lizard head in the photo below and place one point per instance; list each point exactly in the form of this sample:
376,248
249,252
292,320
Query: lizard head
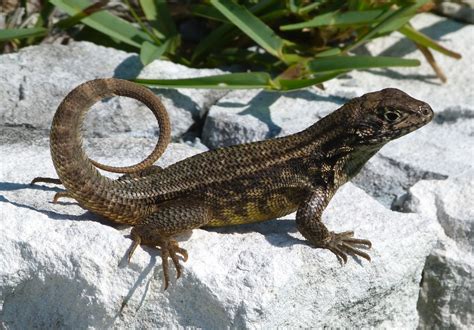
385,115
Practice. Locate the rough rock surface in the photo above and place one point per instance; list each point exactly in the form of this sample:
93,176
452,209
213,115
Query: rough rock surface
446,299
63,267
35,80
251,115
462,10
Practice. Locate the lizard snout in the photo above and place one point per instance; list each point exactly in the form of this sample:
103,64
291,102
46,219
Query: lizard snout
426,112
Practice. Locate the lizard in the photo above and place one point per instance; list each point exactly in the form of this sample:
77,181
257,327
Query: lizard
232,185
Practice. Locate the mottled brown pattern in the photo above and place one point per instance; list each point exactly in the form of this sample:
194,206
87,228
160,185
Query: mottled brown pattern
234,185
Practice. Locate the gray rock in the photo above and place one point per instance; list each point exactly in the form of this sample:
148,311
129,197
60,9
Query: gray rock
462,10
35,80
441,149
63,267
447,290
251,115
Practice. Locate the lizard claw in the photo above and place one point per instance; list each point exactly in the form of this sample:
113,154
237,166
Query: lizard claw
58,195
344,244
169,249
61,194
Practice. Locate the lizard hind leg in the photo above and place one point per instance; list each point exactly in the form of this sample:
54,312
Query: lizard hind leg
158,229
58,195
169,249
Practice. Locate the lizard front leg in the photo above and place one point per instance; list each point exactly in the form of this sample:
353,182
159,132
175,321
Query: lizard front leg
159,228
309,224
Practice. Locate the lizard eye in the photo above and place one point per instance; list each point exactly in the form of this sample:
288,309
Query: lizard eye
390,115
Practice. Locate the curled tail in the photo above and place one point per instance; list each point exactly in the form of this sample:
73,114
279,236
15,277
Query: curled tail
76,171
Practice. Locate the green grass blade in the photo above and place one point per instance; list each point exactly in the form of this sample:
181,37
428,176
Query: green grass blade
337,18
150,52
426,41
338,63
224,81
251,26
240,81
208,12
393,22
83,13
9,34
288,85
44,14
328,52
222,34
215,39
105,22
149,9
158,14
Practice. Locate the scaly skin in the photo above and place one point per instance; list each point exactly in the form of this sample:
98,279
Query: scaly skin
234,185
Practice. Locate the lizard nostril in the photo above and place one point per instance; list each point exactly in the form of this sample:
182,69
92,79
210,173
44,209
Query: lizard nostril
426,110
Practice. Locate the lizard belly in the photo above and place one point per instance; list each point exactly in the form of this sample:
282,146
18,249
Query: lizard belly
255,207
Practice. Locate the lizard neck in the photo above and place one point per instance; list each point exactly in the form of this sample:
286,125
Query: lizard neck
333,150
356,159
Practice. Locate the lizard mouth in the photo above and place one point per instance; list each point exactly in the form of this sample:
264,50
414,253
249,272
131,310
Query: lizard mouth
396,133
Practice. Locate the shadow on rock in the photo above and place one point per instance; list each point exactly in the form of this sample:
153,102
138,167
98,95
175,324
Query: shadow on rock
435,31
276,232
130,68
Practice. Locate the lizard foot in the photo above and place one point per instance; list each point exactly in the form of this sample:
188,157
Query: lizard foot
61,194
57,196
169,249
343,244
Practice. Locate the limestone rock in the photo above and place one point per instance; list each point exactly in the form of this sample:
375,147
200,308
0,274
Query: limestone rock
35,80
447,290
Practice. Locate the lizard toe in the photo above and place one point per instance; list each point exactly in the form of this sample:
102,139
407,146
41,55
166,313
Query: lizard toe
344,244
45,180
170,250
61,194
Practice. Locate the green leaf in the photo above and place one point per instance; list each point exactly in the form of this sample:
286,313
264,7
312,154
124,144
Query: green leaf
426,41
240,81
105,22
337,63
85,12
328,52
224,81
393,22
9,34
158,14
214,39
221,36
293,84
209,12
251,26
150,52
337,18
